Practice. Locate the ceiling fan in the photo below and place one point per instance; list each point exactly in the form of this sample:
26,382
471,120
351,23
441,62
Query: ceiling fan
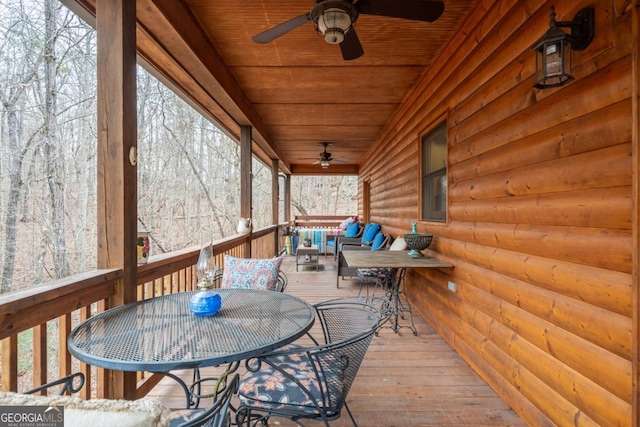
325,157
334,19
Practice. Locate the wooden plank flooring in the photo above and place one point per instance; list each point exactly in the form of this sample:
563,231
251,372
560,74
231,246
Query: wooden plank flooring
405,380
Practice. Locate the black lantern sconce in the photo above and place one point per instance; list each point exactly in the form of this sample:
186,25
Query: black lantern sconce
553,50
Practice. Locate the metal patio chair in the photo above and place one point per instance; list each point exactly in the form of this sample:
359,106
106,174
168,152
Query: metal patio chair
311,382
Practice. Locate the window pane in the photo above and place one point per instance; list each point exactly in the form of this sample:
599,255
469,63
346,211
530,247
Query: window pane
438,150
434,173
435,197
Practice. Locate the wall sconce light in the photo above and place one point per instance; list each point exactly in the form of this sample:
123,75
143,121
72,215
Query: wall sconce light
553,50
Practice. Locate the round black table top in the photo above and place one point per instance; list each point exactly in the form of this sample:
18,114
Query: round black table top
161,334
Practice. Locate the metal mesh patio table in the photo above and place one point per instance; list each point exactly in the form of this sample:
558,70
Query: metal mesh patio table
161,334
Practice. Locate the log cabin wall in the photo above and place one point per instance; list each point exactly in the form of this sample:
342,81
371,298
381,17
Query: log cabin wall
540,210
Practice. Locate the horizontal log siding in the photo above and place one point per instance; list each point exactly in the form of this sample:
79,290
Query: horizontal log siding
539,211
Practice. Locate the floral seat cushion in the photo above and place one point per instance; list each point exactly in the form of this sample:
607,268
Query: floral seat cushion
250,273
270,388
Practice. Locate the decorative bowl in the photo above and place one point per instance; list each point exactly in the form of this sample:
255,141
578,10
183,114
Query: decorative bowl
417,242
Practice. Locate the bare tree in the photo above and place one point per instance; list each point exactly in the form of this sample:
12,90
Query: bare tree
50,146
21,64
35,40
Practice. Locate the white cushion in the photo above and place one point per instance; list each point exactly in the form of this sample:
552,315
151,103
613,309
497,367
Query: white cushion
398,245
143,412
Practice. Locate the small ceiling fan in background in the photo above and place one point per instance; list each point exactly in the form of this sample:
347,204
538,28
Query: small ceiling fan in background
334,20
325,157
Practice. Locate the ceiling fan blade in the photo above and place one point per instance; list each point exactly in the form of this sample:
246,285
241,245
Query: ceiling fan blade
417,10
350,46
281,29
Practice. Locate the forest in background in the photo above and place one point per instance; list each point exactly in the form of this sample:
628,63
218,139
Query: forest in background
188,169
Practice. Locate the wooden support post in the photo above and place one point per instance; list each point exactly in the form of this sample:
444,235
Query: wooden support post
275,204
246,175
117,151
287,198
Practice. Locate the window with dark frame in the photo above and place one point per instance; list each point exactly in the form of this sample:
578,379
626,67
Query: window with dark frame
434,174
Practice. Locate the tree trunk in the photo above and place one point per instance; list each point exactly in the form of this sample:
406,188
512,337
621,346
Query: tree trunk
15,184
51,154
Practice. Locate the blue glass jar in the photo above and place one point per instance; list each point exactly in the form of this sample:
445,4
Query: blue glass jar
205,302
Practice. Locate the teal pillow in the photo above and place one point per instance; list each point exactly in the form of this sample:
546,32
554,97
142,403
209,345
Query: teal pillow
352,230
377,241
370,232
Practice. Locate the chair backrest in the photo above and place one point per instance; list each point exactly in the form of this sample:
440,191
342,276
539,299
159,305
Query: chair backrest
348,328
281,285
344,319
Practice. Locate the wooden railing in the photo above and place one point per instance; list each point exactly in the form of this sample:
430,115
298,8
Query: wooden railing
29,317
318,220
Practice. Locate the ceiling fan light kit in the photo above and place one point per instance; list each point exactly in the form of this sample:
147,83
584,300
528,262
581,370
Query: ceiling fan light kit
333,19
325,157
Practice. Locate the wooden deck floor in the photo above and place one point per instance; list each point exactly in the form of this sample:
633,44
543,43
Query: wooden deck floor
405,380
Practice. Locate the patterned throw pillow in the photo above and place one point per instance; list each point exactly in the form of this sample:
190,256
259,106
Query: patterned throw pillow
250,273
